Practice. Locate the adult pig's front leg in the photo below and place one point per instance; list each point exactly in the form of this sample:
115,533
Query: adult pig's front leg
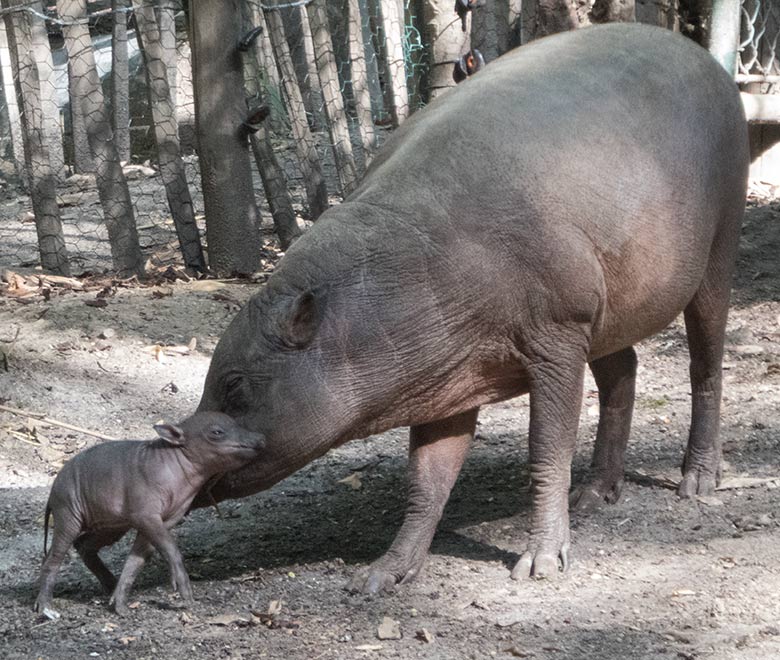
436,454
555,388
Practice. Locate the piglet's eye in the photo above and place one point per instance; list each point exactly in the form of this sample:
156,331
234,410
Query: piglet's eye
217,431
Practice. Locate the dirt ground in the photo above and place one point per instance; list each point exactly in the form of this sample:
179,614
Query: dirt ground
652,576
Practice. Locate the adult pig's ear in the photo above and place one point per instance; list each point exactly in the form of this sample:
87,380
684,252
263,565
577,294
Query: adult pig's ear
172,434
300,320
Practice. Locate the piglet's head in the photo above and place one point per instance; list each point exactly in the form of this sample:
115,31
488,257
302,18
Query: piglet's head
213,441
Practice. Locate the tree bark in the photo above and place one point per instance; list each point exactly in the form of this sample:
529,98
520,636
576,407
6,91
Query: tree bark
40,177
112,186
120,81
359,79
447,41
82,155
9,74
316,192
167,25
167,136
333,101
613,11
274,180
391,30
554,16
52,128
232,217
723,40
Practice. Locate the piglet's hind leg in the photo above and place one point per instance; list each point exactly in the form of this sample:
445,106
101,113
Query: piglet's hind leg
65,532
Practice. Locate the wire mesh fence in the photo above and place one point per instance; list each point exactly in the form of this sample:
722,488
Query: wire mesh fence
758,63
98,161
97,121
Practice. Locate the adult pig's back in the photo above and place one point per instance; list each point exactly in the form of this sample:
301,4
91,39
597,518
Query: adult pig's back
625,141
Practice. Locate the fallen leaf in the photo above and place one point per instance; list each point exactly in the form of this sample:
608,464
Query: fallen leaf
389,629
206,285
134,605
369,647
227,619
185,617
517,652
126,640
50,614
683,592
274,607
353,481
709,500
424,636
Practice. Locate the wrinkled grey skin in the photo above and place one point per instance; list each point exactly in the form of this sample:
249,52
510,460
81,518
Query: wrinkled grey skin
563,204
103,492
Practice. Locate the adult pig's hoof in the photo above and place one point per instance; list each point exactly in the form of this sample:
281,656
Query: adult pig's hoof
541,564
591,495
380,577
697,482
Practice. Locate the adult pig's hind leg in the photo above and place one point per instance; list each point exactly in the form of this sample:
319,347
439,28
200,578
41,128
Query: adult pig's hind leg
615,377
705,323
88,546
436,454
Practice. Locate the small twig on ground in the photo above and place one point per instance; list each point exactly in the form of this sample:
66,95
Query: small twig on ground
22,437
41,417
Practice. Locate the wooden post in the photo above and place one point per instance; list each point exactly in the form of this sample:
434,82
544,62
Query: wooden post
359,77
333,101
120,80
166,135
167,25
311,169
40,177
111,183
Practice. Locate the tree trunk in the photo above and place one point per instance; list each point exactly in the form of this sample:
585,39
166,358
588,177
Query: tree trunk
613,11
40,177
447,41
391,30
270,86
274,180
486,24
359,78
232,218
120,80
305,146
724,33
367,14
333,100
9,74
167,137
554,16
82,155
167,25
298,32
111,183
52,128
514,24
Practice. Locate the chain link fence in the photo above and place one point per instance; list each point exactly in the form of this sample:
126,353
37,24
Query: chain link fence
97,99
758,63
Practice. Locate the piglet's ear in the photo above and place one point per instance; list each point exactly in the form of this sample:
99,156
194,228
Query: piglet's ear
173,435
300,320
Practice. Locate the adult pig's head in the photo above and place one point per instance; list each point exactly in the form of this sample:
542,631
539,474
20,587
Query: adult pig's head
213,441
278,369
